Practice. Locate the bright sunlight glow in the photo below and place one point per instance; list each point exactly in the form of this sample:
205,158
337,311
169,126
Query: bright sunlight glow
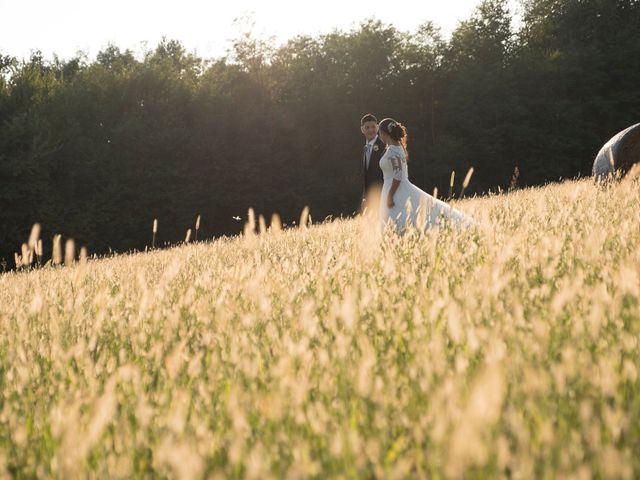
67,27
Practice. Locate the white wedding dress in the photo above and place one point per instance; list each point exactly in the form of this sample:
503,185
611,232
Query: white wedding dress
412,206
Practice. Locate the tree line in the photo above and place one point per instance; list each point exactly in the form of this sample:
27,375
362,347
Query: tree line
96,149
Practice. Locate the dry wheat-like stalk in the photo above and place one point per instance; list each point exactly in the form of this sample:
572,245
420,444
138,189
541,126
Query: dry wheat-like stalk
276,224
154,231
250,226
34,236
69,251
340,350
466,181
39,251
27,255
451,181
56,256
304,217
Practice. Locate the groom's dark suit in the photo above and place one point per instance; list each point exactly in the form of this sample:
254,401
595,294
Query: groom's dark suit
372,173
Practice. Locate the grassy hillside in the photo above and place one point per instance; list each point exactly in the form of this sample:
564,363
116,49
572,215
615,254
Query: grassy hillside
333,352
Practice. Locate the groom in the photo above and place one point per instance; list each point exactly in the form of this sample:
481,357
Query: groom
371,154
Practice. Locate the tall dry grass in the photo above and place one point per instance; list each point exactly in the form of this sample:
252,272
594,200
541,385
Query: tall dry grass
331,351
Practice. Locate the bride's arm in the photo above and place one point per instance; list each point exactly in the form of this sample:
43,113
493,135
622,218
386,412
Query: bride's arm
396,163
392,191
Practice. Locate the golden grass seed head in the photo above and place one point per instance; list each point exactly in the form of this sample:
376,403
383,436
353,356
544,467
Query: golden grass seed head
467,178
69,251
275,225
304,217
34,236
56,257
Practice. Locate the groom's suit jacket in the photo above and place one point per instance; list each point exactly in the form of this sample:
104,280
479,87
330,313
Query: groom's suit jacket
373,174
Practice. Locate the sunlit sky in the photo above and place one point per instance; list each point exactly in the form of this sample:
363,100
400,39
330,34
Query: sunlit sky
65,27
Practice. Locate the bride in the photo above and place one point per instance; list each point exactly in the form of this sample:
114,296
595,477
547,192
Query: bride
402,203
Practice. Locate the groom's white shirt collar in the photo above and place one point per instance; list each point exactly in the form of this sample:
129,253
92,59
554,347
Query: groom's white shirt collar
371,142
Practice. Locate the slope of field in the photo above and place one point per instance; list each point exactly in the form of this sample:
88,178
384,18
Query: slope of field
512,349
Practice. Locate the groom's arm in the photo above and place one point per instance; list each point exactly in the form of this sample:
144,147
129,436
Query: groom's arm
363,201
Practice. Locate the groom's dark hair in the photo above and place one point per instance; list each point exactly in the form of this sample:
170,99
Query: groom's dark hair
369,117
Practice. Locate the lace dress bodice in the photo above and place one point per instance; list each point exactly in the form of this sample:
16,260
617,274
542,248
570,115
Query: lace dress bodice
394,164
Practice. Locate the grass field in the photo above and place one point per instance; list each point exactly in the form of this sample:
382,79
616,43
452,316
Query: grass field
508,350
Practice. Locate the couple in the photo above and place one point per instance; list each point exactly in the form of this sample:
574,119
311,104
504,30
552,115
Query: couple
385,167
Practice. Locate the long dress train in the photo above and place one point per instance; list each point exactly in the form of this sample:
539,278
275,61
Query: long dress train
412,206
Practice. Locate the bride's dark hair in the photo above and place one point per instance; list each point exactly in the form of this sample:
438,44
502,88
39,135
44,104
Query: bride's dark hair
396,131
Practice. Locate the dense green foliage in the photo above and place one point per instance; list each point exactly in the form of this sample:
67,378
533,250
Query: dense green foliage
95,149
